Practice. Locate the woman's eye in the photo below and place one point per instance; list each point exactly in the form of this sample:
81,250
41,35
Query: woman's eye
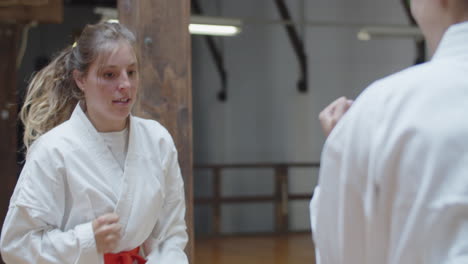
131,73
109,75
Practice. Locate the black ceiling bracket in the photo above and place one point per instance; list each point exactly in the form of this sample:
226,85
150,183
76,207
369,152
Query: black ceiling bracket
298,44
216,54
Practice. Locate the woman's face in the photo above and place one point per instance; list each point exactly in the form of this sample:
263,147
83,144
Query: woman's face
110,88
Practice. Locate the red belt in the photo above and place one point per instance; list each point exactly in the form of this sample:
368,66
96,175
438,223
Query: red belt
124,257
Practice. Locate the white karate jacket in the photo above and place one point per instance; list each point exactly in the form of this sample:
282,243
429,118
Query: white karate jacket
393,185
62,188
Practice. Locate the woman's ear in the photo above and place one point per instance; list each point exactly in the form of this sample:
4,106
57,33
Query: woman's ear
79,79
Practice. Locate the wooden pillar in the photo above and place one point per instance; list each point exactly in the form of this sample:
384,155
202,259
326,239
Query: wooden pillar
281,199
161,28
217,201
9,39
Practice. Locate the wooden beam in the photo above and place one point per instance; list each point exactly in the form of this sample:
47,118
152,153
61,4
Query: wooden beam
41,11
249,199
257,165
217,201
281,199
161,28
236,200
9,38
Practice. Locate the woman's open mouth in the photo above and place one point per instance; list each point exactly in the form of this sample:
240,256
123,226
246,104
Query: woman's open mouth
121,101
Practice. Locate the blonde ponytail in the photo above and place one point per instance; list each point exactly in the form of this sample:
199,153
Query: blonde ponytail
52,94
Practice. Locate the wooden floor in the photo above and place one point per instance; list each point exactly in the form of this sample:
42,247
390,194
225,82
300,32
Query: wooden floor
286,249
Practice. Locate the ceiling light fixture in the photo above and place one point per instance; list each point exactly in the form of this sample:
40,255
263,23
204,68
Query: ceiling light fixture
199,25
216,26
373,32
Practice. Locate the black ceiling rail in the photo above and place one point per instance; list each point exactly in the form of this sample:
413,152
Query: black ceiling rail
421,53
215,53
297,43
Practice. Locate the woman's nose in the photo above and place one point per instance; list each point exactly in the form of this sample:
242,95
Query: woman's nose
124,82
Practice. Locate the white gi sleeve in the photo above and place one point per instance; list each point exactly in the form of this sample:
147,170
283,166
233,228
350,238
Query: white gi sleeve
313,208
439,197
31,232
167,242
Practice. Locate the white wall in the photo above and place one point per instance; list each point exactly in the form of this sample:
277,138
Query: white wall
265,118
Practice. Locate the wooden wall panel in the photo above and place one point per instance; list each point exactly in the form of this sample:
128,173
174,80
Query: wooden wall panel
50,11
161,27
9,38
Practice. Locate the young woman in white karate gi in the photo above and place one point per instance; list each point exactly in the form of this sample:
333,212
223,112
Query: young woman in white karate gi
393,185
99,185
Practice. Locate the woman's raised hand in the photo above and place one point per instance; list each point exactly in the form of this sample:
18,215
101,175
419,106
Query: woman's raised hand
330,116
